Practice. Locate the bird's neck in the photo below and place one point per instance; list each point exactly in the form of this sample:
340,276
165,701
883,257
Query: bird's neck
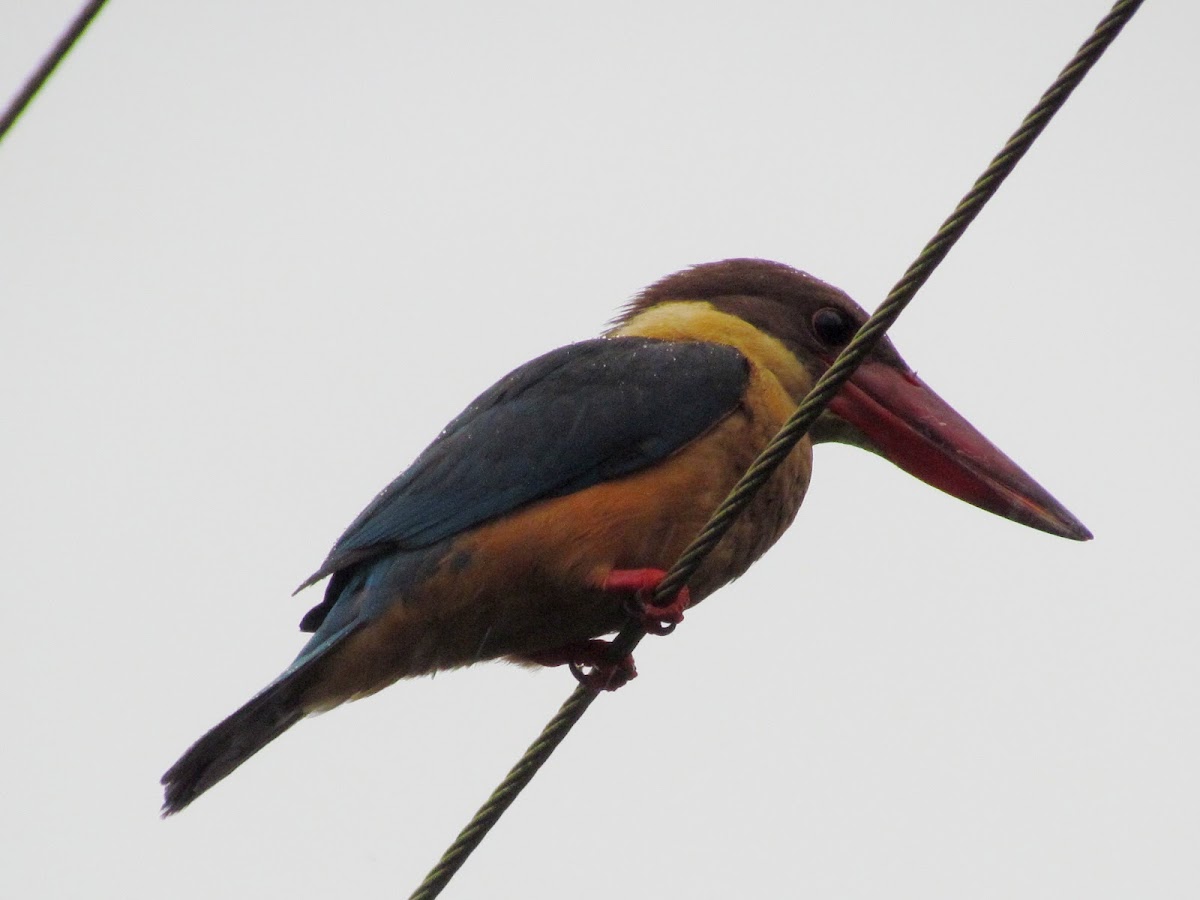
699,321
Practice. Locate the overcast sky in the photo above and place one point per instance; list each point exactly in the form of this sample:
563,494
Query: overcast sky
254,255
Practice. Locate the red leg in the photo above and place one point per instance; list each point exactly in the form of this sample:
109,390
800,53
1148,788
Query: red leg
603,674
589,660
643,582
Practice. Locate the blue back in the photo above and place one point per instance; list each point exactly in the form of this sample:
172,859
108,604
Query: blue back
575,417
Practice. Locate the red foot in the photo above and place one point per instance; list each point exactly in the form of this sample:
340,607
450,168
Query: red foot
643,582
603,673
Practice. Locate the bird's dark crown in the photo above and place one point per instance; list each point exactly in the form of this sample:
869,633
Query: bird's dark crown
813,318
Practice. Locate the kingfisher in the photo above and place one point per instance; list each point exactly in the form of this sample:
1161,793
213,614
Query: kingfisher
544,515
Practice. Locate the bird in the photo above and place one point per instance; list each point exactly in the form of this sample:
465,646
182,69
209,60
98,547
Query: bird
544,515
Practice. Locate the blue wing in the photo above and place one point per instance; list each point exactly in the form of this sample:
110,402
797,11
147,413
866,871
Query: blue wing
577,416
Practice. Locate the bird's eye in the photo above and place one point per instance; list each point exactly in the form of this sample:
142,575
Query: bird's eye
832,326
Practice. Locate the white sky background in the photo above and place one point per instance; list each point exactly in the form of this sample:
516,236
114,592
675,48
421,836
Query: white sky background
254,255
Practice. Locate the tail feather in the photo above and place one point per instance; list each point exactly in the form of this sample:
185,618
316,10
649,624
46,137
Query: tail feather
264,717
226,746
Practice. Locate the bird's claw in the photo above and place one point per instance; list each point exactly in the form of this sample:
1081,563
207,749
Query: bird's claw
657,620
590,663
593,668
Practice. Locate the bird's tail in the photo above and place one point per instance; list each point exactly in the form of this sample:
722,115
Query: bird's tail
226,746
266,716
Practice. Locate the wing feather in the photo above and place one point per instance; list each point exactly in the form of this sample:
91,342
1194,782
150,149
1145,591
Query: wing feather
577,416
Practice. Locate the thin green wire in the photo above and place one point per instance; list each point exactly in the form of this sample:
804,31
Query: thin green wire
787,438
57,53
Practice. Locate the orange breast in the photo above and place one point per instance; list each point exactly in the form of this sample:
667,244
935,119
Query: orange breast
529,581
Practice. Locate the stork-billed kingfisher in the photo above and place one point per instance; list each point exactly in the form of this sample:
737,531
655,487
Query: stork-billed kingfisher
552,504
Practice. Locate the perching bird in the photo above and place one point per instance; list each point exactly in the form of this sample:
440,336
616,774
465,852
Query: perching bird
533,521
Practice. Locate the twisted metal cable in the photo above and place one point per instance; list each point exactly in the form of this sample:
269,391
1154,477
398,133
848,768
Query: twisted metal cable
793,430
57,53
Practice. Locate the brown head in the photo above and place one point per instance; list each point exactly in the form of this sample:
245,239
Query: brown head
884,408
